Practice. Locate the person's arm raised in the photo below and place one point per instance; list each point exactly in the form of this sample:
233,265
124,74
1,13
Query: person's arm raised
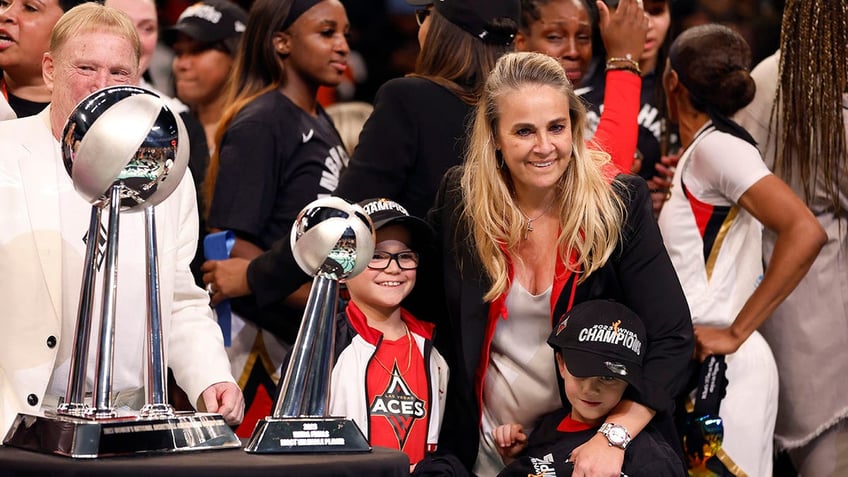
623,32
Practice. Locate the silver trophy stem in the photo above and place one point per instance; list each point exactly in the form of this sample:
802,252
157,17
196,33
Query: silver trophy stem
306,384
106,357
75,395
157,404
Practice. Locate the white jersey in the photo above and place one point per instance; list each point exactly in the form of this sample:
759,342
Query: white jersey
715,246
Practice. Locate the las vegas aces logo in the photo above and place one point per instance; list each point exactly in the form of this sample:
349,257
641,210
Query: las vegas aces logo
400,406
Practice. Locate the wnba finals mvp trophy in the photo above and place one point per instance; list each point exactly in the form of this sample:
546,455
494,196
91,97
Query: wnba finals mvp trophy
331,239
125,150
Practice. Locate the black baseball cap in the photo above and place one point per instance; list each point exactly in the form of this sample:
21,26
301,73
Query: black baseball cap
385,212
602,338
210,21
478,17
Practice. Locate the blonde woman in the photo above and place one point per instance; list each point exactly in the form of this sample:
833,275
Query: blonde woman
532,224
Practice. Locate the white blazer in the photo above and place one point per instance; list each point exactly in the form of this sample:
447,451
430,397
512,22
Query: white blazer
6,111
31,293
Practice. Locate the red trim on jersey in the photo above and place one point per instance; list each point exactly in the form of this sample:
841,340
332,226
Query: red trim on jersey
570,425
360,323
702,211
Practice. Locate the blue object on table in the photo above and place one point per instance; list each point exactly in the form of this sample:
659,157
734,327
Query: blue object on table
217,246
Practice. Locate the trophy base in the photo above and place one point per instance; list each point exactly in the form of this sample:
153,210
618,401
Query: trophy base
280,435
79,437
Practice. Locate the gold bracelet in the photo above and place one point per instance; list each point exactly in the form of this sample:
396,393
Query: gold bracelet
628,59
630,68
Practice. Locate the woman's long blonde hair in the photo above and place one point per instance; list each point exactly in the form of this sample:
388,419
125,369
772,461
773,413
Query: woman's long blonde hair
590,211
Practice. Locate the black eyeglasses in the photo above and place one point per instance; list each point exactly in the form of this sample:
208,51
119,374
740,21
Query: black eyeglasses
421,14
381,260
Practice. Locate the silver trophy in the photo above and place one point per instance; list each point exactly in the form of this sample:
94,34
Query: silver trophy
331,239
126,151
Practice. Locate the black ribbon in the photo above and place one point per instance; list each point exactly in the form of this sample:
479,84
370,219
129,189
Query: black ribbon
712,385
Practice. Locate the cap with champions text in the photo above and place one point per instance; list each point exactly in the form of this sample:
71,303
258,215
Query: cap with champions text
481,18
385,212
602,338
210,21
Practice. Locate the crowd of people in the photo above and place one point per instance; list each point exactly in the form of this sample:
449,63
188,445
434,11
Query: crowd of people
578,208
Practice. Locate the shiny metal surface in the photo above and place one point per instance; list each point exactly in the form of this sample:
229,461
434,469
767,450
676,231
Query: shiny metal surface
306,383
126,434
125,135
125,151
331,239
156,388
328,236
293,435
75,394
102,407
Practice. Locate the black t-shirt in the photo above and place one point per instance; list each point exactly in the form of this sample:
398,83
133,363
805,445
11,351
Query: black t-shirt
24,108
647,455
275,158
650,118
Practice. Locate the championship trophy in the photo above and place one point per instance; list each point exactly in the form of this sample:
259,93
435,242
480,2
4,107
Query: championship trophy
125,151
331,240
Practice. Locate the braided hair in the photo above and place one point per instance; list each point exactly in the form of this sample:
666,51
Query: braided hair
813,75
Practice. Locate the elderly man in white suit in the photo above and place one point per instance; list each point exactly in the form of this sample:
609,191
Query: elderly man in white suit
42,231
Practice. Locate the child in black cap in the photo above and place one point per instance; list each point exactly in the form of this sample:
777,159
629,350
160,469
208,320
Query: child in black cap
383,350
599,348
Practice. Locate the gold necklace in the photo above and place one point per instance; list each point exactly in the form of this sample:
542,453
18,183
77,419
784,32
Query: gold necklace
408,359
530,220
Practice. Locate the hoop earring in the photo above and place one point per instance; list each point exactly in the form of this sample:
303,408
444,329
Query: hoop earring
499,158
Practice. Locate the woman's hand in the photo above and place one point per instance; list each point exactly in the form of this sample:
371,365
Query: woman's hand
624,29
596,458
711,340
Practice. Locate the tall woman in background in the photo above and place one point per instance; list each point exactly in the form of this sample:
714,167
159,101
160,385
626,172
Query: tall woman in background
711,226
278,150
799,118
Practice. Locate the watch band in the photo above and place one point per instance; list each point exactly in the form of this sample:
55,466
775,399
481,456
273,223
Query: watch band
616,434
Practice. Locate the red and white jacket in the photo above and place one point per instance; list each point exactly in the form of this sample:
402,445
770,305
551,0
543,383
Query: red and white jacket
355,346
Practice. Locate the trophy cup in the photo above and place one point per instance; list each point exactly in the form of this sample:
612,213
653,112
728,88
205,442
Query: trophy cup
331,239
125,151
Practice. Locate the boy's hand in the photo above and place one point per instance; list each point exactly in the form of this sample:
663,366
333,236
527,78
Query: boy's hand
510,439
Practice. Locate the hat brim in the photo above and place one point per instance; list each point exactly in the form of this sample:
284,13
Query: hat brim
191,30
422,233
586,364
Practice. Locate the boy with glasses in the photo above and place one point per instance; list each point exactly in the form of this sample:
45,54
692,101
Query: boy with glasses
382,348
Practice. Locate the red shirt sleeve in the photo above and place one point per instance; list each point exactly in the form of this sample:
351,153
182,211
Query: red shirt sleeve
618,127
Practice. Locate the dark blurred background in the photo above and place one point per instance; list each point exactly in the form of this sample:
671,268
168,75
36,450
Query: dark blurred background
383,33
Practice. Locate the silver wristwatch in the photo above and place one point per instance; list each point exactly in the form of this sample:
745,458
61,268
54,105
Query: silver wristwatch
616,435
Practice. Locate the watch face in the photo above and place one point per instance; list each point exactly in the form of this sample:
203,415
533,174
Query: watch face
617,435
